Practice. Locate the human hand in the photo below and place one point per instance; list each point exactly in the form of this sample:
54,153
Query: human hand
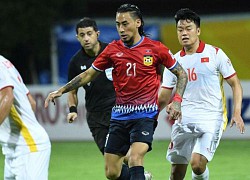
238,121
174,110
71,117
51,97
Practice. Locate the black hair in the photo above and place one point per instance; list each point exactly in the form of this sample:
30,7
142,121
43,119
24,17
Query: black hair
135,13
187,14
86,22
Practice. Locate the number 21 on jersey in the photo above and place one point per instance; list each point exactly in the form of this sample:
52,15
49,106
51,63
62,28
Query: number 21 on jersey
131,69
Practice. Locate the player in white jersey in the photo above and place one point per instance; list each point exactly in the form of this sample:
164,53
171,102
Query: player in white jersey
197,134
25,143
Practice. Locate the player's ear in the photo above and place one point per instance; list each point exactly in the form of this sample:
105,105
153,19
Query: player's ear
77,38
198,31
98,33
138,23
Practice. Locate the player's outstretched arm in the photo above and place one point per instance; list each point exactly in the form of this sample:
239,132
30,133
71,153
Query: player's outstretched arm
234,82
174,108
75,83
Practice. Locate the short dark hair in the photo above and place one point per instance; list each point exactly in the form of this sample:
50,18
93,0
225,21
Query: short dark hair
135,13
86,22
187,14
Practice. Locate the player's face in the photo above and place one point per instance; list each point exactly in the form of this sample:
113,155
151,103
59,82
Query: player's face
127,28
188,33
88,37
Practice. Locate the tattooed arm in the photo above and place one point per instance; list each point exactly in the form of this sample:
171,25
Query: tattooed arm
181,78
174,108
75,83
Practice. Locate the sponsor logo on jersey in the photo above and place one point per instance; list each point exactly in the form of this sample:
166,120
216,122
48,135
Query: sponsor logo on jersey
148,60
148,51
119,54
204,59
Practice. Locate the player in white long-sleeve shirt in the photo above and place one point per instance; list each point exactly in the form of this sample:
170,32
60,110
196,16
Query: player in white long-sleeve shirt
197,134
25,143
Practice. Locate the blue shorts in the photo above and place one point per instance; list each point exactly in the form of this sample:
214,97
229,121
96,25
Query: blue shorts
124,133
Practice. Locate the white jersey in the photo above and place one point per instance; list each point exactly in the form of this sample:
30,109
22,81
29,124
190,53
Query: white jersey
203,99
20,132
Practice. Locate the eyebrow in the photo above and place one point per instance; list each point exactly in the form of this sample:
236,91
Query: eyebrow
181,26
121,22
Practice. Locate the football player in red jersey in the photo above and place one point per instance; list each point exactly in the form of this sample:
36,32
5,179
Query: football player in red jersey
137,61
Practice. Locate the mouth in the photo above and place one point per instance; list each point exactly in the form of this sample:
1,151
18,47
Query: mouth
185,39
87,45
124,36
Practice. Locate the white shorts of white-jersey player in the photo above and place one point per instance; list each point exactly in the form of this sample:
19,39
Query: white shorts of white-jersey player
188,138
31,166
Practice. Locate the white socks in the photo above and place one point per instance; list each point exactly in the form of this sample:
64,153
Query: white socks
203,176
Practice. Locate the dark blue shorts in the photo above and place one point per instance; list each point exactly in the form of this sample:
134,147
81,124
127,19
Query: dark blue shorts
123,133
98,123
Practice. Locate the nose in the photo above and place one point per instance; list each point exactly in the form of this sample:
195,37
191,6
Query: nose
85,38
120,29
184,32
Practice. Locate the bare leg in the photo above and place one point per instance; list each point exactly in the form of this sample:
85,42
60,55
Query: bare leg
113,165
178,171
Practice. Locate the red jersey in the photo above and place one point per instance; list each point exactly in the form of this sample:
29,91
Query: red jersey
136,76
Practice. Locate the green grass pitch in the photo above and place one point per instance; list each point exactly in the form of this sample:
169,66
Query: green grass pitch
83,161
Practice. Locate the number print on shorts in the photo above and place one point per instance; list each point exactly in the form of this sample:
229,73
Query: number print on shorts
107,137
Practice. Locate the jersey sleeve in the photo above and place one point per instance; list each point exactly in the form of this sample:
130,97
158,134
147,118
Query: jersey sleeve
166,56
26,90
4,78
169,79
103,61
225,66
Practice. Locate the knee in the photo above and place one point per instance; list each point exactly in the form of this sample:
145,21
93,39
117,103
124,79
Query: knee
198,167
112,172
135,160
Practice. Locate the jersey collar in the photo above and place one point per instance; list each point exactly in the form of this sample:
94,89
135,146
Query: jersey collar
142,37
199,50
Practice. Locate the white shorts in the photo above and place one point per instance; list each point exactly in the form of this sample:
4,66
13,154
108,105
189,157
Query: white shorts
31,166
194,138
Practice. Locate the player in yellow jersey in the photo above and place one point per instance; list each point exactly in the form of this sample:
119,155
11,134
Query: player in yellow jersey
25,143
